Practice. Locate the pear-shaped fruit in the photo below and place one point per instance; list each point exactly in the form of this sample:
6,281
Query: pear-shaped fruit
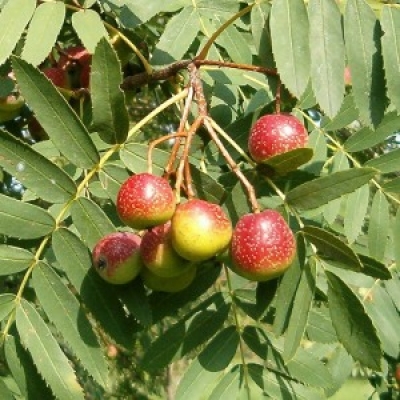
116,257
200,230
158,254
275,134
263,246
171,284
145,200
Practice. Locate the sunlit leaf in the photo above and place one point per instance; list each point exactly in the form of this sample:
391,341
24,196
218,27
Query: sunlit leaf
289,31
89,27
7,304
46,353
362,32
14,17
388,162
327,54
390,19
64,311
43,30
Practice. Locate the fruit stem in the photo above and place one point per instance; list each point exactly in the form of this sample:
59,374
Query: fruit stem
239,331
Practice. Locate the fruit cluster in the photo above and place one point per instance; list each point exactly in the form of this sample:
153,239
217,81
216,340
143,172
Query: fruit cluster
177,239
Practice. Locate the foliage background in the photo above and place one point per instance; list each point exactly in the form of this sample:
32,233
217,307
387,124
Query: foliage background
335,311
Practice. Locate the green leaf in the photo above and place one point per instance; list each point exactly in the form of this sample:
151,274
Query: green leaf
375,268
64,311
35,171
355,212
134,156
327,54
396,237
24,371
386,163
317,142
100,298
290,160
385,317
332,209
180,32
90,220
43,30
7,304
14,259
235,45
56,116
203,326
320,191
111,177
332,247
209,364
14,17
362,37
89,27
367,137
259,27
287,289
289,31
390,20
162,351
347,114
300,367
24,220
110,117
320,328
301,308
46,353
277,387
229,386
392,186
5,392
352,324
378,226
206,187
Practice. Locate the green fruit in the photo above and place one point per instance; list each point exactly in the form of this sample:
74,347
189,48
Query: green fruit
116,257
170,285
200,230
158,255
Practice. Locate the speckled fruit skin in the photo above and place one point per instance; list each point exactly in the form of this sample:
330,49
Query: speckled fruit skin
200,230
170,285
116,257
145,200
275,134
158,255
263,246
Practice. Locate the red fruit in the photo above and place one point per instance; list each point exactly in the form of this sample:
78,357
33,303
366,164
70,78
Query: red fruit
76,60
200,230
116,257
57,76
263,246
347,76
275,134
145,200
158,255
397,374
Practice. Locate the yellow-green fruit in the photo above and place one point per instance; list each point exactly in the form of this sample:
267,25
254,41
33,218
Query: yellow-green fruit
116,257
171,285
159,256
200,230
